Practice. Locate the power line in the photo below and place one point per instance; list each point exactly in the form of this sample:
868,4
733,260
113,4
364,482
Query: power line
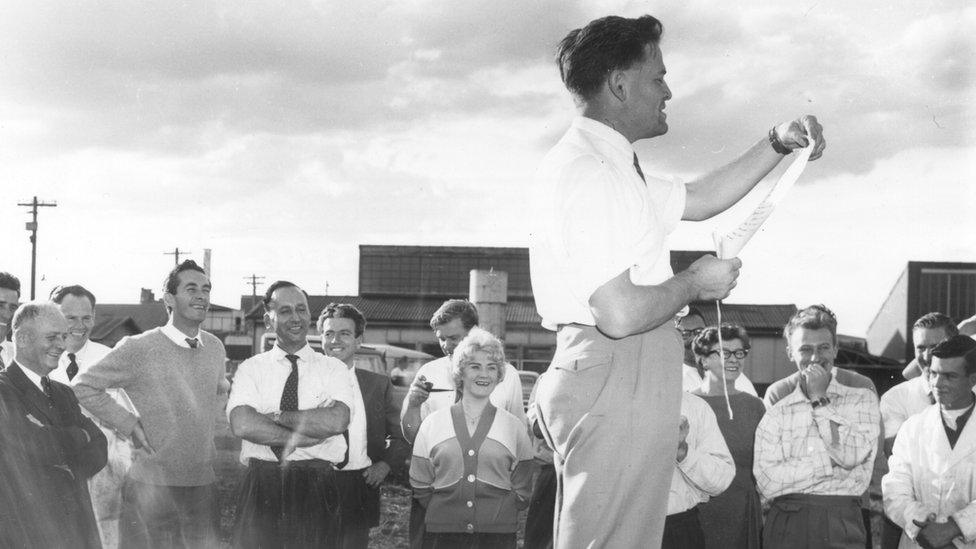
176,255
32,227
254,281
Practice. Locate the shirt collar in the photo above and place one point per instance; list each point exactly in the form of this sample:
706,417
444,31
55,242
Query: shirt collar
79,354
833,388
178,337
610,136
31,375
304,354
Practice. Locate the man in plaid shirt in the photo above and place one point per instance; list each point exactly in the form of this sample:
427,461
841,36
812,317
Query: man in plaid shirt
815,447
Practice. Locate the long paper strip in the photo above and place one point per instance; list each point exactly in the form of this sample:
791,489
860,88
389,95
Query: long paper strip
729,245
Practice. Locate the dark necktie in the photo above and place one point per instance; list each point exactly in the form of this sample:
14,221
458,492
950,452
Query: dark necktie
289,396
72,366
192,342
2,365
46,387
637,167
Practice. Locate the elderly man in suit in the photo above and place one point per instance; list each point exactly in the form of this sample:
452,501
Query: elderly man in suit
375,420
48,448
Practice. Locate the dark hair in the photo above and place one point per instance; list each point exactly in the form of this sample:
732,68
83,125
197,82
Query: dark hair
172,281
455,308
344,310
708,338
958,346
814,317
60,292
935,320
10,282
586,56
274,286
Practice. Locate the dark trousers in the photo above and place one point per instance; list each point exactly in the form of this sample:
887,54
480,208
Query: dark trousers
890,533
683,531
542,508
291,506
418,524
167,516
359,509
802,521
464,540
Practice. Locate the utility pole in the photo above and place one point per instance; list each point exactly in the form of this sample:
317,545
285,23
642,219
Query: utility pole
32,227
176,255
254,281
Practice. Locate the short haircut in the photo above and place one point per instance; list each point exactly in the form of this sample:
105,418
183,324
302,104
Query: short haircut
455,308
344,310
931,321
476,340
586,56
958,346
814,317
29,312
708,338
274,286
172,281
59,293
10,282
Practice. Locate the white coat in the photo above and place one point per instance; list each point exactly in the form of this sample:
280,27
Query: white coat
927,476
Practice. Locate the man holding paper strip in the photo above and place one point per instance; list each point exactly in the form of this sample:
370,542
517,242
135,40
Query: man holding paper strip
601,279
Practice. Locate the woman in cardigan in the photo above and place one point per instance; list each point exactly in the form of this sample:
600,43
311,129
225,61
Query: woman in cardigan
472,463
733,519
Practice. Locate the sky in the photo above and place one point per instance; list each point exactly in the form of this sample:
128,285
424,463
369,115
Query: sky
283,135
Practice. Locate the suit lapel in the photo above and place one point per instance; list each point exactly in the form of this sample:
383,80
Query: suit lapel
966,444
35,400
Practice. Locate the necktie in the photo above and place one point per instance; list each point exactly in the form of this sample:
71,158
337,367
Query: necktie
72,367
2,365
637,167
289,396
192,342
46,387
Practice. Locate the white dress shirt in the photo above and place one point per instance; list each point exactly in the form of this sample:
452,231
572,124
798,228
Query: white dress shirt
358,458
903,401
507,395
260,380
33,377
690,380
179,337
594,219
708,468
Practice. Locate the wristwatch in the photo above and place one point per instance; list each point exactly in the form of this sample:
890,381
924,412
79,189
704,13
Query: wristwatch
822,401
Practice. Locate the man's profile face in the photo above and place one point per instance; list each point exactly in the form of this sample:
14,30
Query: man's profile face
951,386
925,340
289,317
339,338
79,313
691,326
807,347
44,341
449,335
9,301
648,93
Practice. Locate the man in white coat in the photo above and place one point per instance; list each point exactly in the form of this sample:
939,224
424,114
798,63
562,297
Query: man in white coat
930,490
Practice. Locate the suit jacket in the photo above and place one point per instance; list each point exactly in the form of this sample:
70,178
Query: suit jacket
382,420
46,458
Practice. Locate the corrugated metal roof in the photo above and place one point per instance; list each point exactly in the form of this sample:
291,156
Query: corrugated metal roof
751,317
146,315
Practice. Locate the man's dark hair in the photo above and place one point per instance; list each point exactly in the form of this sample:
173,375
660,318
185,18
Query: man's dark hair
587,55
58,294
935,320
958,346
274,286
10,282
455,308
172,282
344,310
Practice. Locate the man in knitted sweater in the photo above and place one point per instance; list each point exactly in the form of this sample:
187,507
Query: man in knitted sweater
172,375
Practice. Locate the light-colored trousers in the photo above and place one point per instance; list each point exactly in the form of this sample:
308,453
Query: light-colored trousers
610,410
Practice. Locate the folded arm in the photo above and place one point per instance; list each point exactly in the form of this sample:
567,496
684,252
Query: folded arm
248,424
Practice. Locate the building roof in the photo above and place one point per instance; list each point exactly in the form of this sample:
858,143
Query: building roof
105,327
145,315
754,318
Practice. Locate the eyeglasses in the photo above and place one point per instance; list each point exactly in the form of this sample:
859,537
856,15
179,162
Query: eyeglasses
691,333
727,354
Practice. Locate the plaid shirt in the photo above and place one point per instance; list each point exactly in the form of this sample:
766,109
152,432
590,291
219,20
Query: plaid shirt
828,450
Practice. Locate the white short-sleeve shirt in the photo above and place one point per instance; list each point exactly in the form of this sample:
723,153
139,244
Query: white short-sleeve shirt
260,380
594,218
